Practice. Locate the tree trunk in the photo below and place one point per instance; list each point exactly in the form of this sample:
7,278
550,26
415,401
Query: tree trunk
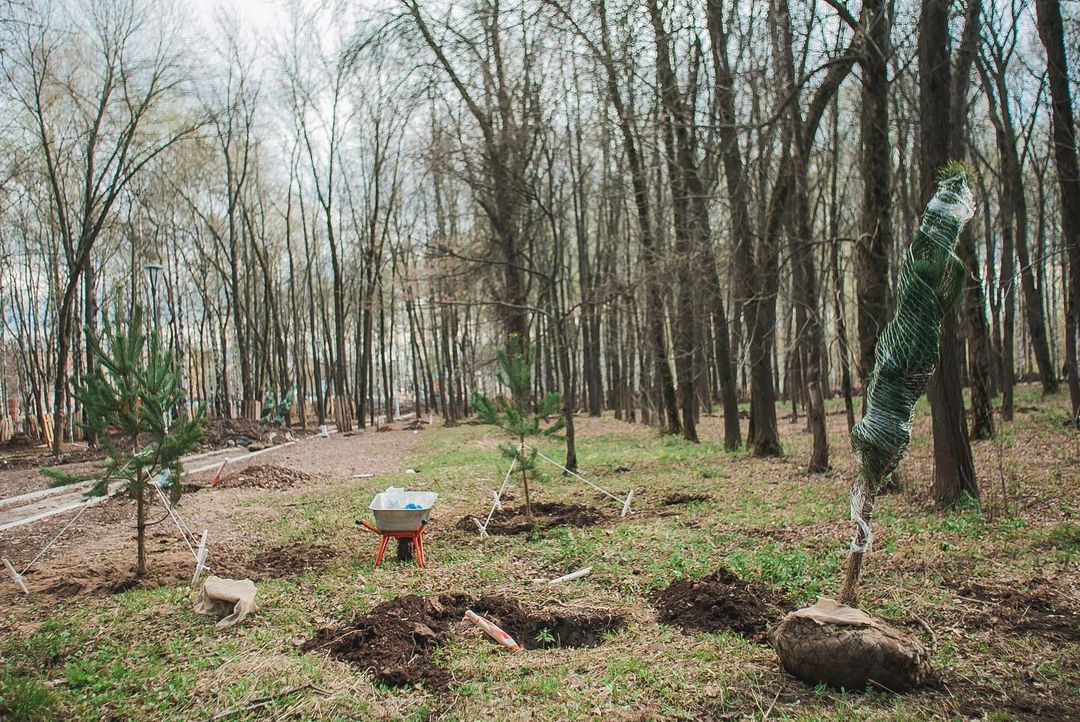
756,280
140,525
954,471
876,237
1068,170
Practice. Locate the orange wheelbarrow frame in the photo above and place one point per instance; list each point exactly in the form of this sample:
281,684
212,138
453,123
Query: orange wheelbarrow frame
416,538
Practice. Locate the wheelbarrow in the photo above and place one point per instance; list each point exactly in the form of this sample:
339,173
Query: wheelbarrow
405,525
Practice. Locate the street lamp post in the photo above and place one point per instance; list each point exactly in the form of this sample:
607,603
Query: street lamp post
153,270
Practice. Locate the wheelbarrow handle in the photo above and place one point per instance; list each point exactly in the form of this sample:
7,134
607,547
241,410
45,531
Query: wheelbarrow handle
361,522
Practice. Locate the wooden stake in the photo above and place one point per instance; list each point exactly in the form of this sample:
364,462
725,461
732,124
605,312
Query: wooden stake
16,577
200,557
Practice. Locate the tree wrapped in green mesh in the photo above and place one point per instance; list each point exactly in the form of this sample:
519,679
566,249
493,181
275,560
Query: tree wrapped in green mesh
518,413
907,352
129,400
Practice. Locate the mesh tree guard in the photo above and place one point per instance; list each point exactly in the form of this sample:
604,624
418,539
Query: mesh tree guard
907,351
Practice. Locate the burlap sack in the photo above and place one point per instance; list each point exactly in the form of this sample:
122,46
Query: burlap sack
229,599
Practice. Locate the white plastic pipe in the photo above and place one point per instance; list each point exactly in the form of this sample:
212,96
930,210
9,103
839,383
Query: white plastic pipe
583,572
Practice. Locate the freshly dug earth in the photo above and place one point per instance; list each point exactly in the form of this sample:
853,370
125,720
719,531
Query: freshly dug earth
295,558
266,476
721,602
37,457
512,521
397,640
220,433
19,442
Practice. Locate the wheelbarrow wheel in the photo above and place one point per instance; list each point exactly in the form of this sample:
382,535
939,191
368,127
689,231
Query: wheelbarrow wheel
404,550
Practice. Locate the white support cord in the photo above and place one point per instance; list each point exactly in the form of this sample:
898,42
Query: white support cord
18,576
625,502
178,521
185,532
602,491
498,495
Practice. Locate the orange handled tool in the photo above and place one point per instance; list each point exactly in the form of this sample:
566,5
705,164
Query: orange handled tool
492,631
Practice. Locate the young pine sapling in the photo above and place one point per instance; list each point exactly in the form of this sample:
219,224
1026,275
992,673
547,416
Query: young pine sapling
519,413
133,403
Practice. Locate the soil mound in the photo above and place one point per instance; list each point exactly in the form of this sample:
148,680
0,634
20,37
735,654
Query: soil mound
721,602
397,640
266,476
676,499
295,558
513,521
231,432
19,442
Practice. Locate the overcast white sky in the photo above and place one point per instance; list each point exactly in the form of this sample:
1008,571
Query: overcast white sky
258,17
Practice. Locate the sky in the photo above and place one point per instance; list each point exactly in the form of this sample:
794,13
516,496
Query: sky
259,19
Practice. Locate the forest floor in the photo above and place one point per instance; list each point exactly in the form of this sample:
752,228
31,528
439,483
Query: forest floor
993,589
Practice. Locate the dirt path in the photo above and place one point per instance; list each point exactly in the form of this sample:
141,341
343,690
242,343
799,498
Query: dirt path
101,543
33,506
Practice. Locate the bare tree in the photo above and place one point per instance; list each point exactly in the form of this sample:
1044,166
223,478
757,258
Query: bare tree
85,117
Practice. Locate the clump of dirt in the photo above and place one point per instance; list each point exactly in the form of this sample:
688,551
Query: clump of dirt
220,433
513,521
721,602
1025,606
266,476
397,640
19,442
856,656
416,424
677,499
295,558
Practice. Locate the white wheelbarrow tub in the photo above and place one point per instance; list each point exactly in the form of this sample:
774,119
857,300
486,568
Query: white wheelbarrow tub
403,519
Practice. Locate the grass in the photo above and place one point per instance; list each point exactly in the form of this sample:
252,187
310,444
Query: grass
143,654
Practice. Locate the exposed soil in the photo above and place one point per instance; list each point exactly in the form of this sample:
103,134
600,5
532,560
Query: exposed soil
38,456
676,499
721,602
266,476
19,442
164,567
1024,606
512,521
73,565
295,558
397,640
233,432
